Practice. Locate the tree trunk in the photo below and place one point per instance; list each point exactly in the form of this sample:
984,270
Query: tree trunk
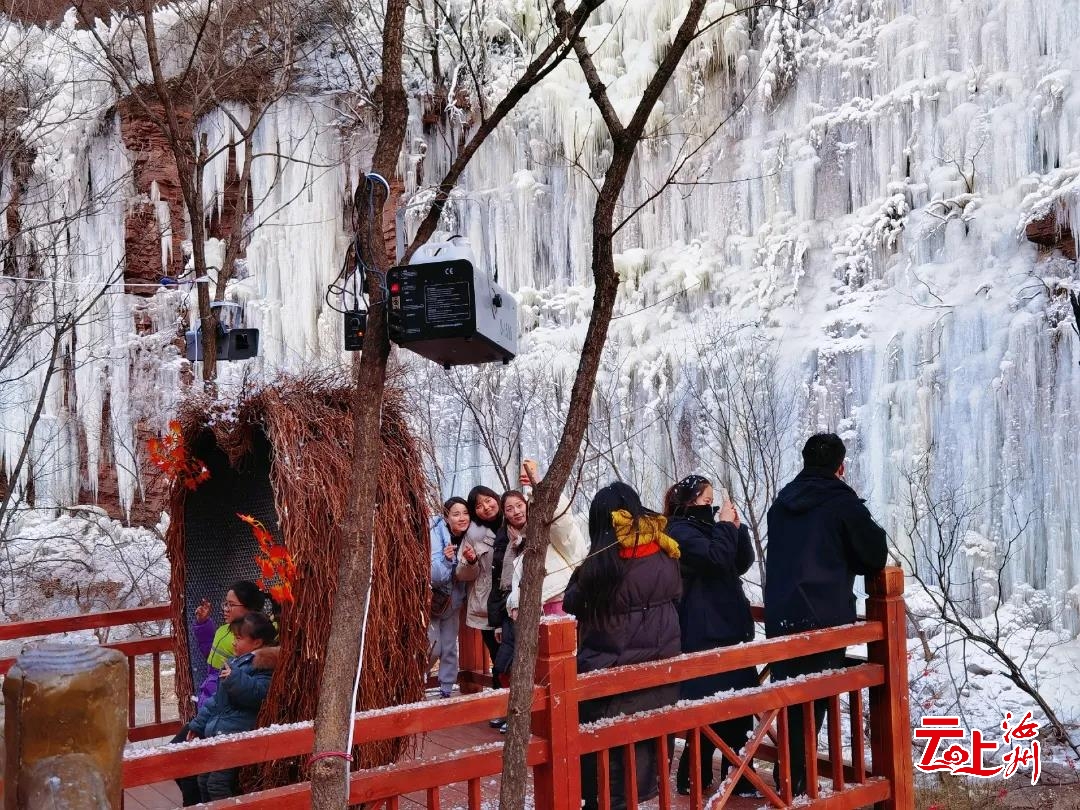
541,513
348,623
329,775
545,496
207,317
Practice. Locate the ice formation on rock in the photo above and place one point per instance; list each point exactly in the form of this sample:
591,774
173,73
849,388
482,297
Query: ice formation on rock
862,209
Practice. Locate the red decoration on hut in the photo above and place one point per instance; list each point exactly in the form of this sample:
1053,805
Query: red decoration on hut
274,561
169,455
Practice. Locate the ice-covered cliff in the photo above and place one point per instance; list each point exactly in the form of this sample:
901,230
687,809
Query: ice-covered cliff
850,184
863,209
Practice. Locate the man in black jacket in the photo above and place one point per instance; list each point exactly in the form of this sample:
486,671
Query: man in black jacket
821,535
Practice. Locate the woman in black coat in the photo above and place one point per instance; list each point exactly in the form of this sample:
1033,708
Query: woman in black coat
714,612
624,597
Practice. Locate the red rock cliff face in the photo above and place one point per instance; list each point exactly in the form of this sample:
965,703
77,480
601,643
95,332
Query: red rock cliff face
152,163
1051,234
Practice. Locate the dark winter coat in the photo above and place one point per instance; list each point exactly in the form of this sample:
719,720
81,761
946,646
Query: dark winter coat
714,611
821,535
642,623
235,705
497,598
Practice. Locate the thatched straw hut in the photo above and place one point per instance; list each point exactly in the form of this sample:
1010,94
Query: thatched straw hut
282,454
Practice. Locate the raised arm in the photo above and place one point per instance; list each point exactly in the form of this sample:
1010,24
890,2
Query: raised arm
865,543
714,551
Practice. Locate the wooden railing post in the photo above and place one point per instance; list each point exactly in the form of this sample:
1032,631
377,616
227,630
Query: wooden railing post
472,659
890,715
558,781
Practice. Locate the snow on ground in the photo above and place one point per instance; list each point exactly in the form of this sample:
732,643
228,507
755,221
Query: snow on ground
79,562
863,213
965,680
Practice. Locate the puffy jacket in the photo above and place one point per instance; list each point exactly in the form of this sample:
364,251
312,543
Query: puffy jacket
477,574
642,623
216,646
821,535
714,611
235,705
442,569
567,549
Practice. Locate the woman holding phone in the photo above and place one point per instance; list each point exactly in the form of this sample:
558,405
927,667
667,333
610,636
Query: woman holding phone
714,612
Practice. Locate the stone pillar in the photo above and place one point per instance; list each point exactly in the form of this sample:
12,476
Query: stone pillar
65,727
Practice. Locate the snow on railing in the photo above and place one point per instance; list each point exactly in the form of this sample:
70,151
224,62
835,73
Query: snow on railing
90,627
848,777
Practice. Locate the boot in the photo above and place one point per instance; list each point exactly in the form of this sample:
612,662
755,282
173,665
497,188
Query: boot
682,776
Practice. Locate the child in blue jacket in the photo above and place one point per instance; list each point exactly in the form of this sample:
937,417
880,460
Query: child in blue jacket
244,682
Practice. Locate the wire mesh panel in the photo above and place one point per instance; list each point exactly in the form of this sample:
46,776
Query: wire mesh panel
219,548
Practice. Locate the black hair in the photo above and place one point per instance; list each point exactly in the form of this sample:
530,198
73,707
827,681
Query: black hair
256,626
824,451
512,493
602,570
470,502
451,502
684,493
248,594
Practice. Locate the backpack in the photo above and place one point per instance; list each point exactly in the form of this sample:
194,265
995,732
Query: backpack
441,598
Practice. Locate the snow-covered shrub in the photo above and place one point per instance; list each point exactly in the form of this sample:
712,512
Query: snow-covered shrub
79,562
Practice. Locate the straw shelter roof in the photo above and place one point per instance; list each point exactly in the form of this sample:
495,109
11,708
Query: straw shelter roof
282,454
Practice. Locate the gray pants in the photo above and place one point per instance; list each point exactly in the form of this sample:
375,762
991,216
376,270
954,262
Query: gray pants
219,784
443,645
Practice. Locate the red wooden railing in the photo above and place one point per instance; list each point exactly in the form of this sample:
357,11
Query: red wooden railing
153,646
559,740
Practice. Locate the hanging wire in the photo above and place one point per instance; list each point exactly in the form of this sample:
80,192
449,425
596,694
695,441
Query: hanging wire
348,285
338,289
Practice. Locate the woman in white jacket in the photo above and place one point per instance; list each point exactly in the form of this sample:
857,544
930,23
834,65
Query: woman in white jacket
567,549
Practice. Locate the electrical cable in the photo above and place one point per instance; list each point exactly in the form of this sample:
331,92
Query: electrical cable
657,303
339,287
367,602
359,662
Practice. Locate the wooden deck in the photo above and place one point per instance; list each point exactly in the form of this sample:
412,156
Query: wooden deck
456,742
166,796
